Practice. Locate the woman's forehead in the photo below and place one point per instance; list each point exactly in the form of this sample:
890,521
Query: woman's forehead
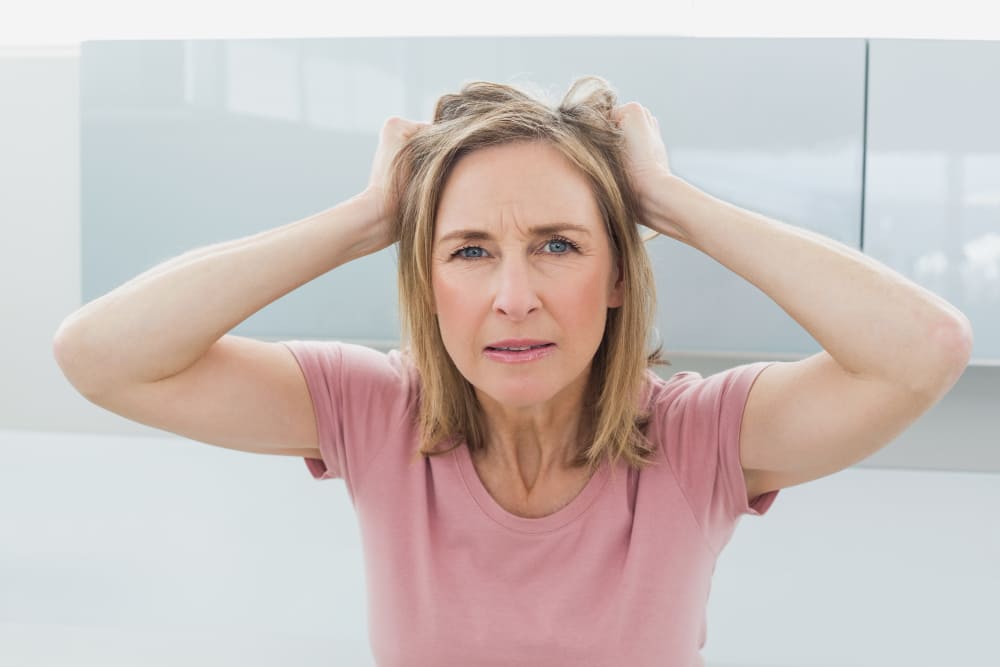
536,179
514,228
493,215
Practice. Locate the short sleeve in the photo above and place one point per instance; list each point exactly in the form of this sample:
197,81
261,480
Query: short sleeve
360,397
700,420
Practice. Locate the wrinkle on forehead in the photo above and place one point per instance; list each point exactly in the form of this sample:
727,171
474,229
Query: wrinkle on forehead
506,191
522,229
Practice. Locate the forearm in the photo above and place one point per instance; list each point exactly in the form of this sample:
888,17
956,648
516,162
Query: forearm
165,319
870,319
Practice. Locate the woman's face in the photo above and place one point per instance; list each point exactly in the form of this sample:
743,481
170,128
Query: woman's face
504,281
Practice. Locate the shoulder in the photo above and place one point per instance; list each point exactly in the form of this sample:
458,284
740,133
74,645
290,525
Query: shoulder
660,392
351,371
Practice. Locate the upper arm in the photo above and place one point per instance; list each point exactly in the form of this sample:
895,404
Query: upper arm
242,394
807,419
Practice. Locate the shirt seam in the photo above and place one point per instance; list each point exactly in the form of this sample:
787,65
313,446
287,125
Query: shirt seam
391,430
687,501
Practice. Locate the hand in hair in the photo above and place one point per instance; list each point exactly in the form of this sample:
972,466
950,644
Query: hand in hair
645,156
395,133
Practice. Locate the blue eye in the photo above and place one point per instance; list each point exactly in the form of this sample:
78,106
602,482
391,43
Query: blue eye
468,247
555,239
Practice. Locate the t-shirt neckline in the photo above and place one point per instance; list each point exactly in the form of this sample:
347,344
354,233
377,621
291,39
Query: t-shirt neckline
492,509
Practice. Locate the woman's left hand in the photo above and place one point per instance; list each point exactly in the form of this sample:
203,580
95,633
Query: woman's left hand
646,156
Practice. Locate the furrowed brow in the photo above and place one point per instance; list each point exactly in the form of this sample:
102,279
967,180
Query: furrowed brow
540,230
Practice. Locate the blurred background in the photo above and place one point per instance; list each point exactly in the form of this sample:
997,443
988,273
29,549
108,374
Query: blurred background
131,133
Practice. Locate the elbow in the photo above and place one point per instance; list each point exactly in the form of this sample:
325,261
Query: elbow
952,345
958,339
70,362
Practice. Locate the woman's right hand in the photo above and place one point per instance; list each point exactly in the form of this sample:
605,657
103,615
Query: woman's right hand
395,133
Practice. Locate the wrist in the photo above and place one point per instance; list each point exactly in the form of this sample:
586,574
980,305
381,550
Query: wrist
359,218
368,203
668,204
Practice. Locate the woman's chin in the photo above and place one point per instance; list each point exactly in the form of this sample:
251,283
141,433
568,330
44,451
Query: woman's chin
519,394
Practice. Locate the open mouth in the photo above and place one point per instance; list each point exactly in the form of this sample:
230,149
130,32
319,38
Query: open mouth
520,349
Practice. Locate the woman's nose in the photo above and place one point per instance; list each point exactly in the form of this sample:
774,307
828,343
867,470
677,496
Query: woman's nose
516,295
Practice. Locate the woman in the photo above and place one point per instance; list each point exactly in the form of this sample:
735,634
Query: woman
512,544
482,457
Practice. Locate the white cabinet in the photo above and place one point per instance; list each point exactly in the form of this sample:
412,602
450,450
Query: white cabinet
187,143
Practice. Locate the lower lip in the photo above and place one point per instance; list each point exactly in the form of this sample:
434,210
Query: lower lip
517,357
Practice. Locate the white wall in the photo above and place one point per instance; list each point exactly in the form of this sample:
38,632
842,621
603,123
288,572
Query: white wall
121,544
57,22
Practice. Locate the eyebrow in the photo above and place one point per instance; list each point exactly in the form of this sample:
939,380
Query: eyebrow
540,230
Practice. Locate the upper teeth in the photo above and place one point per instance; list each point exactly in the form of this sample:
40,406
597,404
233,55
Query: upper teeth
527,347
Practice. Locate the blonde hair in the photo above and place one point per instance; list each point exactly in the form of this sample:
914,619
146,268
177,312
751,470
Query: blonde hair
484,114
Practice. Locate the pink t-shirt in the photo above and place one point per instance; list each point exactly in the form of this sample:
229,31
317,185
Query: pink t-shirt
619,576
